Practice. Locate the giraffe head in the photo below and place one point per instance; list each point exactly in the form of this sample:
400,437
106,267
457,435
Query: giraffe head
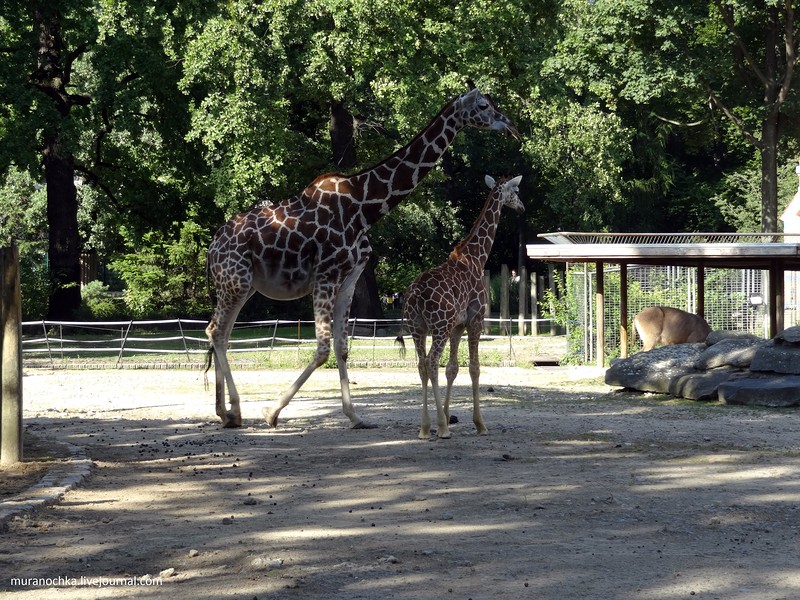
478,110
508,190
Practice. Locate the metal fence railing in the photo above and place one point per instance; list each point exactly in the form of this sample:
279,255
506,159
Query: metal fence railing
183,341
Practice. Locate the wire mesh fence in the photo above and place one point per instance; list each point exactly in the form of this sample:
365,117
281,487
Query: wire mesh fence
735,300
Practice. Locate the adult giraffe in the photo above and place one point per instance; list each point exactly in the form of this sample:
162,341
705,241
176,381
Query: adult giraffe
450,298
316,242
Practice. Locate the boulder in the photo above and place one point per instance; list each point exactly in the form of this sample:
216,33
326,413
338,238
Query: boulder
719,335
735,352
777,357
775,391
702,386
789,336
655,370
730,367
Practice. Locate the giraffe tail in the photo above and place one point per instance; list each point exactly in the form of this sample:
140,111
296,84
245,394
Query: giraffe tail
209,362
399,341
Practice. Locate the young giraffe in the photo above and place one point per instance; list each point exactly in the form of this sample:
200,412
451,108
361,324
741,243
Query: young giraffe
316,243
450,298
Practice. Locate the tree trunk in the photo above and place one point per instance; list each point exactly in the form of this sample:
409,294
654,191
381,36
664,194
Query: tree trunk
52,78
64,246
366,302
342,136
769,174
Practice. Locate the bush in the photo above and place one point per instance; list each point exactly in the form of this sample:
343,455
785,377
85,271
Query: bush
98,303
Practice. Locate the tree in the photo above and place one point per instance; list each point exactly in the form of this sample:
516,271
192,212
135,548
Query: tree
721,69
91,98
51,78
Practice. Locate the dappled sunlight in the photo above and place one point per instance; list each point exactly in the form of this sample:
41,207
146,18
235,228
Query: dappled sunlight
712,470
562,495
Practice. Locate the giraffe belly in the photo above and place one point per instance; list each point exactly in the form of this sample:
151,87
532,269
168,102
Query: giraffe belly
284,286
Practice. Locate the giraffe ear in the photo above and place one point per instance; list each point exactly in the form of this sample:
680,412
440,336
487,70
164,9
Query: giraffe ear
489,181
470,94
515,182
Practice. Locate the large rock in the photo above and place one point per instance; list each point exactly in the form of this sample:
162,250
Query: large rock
731,367
654,371
789,336
702,386
776,391
777,357
719,335
737,352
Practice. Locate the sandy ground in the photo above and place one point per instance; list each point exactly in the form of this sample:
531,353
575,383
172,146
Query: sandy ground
576,493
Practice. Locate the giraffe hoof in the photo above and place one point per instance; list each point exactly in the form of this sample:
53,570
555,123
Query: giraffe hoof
443,435
231,421
271,417
362,425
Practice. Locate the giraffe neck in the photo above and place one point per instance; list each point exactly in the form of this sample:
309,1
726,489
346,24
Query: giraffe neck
478,243
378,190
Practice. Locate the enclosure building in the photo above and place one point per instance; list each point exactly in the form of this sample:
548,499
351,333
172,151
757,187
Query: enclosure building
738,281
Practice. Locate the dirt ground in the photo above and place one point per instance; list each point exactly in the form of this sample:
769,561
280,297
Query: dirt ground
576,493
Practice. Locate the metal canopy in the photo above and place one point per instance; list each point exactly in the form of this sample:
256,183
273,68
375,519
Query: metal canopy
775,253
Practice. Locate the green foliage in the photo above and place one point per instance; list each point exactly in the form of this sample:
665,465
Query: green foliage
98,303
191,112
166,277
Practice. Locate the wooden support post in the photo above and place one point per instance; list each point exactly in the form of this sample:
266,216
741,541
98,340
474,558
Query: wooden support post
11,364
487,310
776,298
600,316
505,325
535,303
701,290
523,300
551,281
623,310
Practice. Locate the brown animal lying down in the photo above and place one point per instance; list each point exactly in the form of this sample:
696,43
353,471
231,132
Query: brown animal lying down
663,326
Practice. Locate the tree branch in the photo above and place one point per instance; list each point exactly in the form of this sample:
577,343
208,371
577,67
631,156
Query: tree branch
712,97
730,25
791,55
679,123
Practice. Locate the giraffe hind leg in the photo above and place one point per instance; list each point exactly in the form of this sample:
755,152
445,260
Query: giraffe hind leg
451,372
425,419
442,424
219,334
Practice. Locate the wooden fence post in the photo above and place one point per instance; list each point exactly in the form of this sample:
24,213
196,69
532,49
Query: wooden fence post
11,364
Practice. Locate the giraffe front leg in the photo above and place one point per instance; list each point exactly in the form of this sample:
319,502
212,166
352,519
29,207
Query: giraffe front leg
341,314
473,336
322,325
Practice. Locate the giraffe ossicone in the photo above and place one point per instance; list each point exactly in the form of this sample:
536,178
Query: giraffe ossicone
449,299
316,242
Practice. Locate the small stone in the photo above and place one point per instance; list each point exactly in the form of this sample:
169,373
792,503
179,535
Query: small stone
193,552
250,501
264,563
227,521
389,559
167,573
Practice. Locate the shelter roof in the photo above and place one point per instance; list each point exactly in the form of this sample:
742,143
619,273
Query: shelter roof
731,250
